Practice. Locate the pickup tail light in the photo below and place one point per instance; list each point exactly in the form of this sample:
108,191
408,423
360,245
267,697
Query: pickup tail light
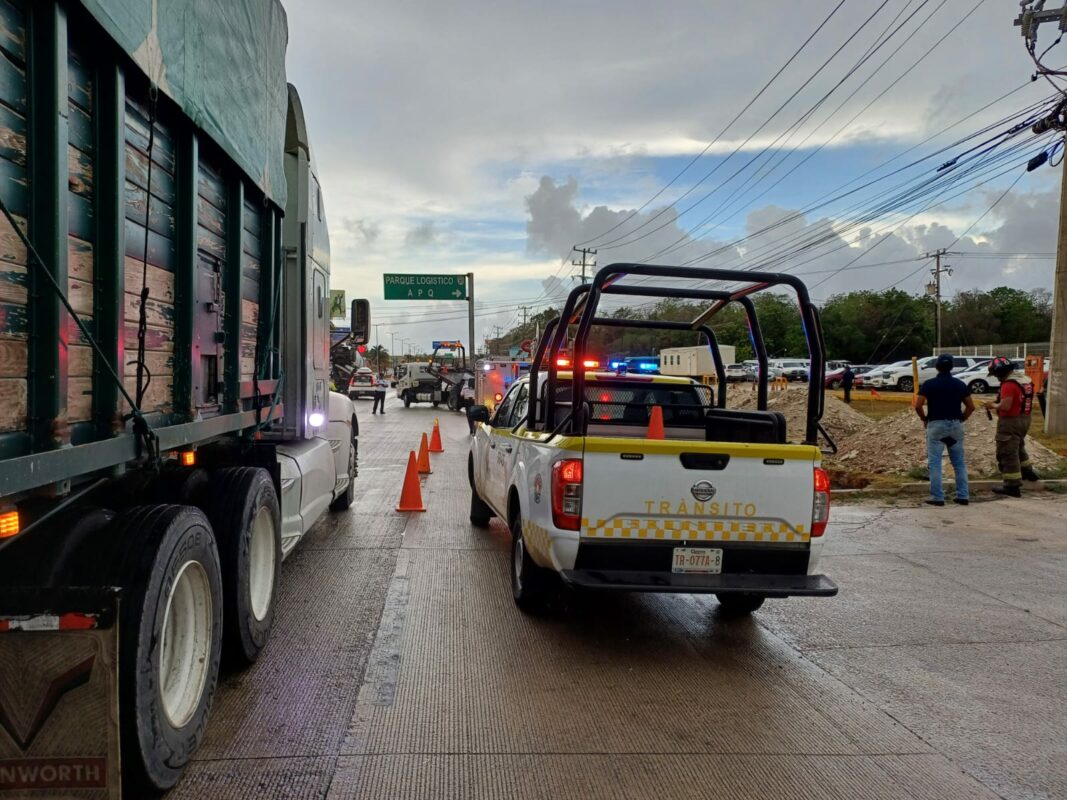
820,512
567,494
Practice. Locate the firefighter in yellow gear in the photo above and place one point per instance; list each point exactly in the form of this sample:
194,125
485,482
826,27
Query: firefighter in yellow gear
1013,405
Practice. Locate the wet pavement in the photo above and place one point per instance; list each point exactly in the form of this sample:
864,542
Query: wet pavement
400,668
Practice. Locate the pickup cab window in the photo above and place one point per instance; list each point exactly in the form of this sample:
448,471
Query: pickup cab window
504,411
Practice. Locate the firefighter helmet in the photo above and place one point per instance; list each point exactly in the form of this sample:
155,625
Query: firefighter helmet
1000,364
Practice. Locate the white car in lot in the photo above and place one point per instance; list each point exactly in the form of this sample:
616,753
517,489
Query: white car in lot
978,379
900,377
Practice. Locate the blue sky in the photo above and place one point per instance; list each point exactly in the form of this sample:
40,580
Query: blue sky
491,136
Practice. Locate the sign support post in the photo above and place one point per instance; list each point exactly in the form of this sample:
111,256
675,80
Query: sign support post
470,315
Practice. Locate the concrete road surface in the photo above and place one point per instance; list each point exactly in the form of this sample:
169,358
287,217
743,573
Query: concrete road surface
400,668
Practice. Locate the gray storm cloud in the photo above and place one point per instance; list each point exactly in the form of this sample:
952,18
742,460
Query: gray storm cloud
422,235
1022,222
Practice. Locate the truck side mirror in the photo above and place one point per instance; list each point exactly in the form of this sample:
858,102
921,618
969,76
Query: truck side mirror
478,414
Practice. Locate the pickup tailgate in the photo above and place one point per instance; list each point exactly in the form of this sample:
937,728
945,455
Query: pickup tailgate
675,515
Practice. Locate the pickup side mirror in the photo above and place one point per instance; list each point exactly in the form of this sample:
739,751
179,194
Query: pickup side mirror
478,414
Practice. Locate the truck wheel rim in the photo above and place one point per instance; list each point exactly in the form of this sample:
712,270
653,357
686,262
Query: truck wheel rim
261,564
186,648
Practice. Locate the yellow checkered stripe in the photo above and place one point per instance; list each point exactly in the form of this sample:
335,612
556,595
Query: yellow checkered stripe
537,542
693,530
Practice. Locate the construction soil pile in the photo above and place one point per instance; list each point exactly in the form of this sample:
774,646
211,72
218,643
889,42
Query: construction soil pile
895,444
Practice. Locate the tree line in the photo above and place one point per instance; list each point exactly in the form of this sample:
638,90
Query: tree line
861,327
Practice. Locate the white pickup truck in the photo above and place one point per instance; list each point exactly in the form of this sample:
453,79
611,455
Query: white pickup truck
718,501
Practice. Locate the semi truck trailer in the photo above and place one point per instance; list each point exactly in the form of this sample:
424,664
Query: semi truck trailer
167,433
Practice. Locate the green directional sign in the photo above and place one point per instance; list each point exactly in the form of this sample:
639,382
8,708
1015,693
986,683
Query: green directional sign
425,287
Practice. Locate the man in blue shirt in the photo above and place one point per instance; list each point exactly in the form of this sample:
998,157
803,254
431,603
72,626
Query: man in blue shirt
943,404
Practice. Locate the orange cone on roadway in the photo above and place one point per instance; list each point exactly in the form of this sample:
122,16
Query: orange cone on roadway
655,424
424,457
435,438
411,493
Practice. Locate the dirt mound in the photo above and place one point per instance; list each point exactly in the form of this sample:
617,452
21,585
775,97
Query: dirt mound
897,444
839,419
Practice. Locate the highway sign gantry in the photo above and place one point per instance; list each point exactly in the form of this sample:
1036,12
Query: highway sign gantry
425,287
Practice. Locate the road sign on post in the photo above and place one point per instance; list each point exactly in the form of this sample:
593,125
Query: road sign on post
425,287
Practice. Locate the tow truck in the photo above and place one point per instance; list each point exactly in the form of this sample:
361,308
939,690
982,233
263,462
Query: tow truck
631,482
439,380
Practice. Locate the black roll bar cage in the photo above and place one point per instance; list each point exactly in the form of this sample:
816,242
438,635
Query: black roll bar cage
581,307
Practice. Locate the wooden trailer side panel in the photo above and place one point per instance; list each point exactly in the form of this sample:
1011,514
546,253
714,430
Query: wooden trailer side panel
81,235
156,271
14,184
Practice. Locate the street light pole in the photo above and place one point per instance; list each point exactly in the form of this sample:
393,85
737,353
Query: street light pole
377,350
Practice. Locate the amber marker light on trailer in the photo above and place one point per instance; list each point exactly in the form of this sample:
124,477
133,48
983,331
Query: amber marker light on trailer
187,458
9,524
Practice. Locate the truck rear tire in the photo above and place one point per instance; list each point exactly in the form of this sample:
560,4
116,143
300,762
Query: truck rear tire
407,399
170,640
243,509
738,605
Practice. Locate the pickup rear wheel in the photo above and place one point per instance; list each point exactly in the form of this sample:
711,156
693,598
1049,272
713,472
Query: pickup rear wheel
737,605
243,509
529,582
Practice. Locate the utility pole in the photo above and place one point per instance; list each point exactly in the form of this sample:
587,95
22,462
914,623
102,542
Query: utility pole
935,289
1029,21
585,251
524,310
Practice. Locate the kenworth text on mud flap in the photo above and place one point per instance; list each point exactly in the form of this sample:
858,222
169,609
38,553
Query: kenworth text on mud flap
166,433
647,482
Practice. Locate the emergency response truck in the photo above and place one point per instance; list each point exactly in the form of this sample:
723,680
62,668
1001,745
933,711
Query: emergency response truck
650,483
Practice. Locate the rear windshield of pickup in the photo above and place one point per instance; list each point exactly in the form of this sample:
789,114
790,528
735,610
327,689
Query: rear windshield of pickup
630,402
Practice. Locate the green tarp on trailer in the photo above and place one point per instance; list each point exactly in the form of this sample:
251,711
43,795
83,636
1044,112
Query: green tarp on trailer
223,63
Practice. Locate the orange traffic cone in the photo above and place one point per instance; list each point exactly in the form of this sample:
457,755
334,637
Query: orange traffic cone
655,424
435,439
424,457
411,493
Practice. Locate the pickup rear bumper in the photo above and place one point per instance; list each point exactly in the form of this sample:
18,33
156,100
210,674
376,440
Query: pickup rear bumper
727,583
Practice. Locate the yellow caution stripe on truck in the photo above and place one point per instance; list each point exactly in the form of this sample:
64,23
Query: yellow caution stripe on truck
694,530
671,447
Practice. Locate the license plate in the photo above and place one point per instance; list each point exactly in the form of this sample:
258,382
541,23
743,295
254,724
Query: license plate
707,560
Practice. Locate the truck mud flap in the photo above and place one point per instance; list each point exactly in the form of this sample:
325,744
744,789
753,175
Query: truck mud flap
59,713
736,583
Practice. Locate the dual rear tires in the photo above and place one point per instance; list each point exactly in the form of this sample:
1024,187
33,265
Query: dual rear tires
198,592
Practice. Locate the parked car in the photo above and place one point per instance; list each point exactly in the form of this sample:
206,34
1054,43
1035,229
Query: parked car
737,372
753,370
792,369
978,379
865,378
363,384
833,379
900,376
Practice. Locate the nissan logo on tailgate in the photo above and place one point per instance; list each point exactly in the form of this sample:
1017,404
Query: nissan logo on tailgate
703,490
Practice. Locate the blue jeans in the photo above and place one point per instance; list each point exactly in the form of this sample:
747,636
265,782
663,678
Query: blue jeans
936,432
